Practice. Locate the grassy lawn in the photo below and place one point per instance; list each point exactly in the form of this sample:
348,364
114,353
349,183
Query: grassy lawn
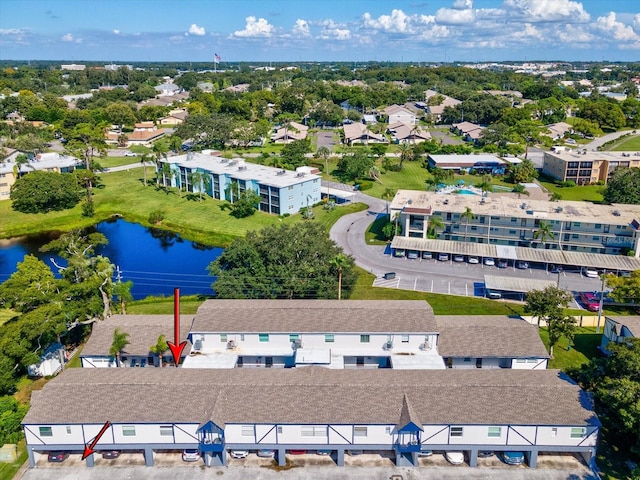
628,144
109,162
8,470
588,193
584,349
373,235
123,193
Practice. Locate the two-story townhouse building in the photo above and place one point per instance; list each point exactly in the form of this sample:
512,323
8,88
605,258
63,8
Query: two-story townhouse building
332,334
584,167
402,413
281,191
490,341
143,331
496,221
337,335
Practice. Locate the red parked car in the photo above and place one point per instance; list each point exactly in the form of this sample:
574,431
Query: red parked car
590,300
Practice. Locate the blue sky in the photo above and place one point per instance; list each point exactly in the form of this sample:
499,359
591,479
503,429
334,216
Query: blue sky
329,30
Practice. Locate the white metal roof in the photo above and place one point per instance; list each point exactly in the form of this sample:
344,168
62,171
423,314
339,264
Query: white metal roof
514,284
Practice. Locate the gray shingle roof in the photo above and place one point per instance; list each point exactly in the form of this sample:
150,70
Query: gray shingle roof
305,316
310,396
488,336
632,322
143,331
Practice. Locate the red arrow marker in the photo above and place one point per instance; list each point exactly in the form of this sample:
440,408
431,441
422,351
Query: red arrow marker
89,448
176,348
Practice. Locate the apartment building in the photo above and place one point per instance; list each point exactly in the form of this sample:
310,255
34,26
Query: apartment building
281,191
585,168
398,413
505,220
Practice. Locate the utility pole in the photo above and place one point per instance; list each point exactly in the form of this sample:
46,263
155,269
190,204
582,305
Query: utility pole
604,272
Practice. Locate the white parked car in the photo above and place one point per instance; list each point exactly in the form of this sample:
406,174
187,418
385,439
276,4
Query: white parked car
239,453
489,261
130,154
455,458
458,258
443,257
591,273
473,259
190,455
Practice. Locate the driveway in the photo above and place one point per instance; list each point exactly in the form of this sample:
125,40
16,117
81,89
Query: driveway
598,142
325,139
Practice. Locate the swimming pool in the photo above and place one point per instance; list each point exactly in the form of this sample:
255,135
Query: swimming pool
465,192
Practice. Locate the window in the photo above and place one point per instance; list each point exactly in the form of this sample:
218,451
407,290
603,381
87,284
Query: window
598,226
313,431
166,431
128,431
576,224
595,237
223,337
279,429
290,188
467,359
329,338
359,431
578,432
246,431
263,337
364,338
514,219
242,337
68,429
46,432
554,432
387,429
456,431
494,432
293,337
404,338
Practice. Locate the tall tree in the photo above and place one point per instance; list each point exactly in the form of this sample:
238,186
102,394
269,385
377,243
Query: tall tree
120,340
544,232
122,291
340,261
42,192
285,261
434,224
543,303
86,141
324,153
520,190
467,215
625,289
623,186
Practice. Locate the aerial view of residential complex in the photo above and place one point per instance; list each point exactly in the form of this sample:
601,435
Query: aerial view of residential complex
278,239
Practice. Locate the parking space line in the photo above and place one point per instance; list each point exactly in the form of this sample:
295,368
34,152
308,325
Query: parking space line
431,285
415,284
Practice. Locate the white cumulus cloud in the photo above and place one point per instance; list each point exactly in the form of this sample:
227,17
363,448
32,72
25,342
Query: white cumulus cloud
255,27
547,10
67,38
619,30
196,30
301,28
397,22
450,16
334,31
462,4
116,32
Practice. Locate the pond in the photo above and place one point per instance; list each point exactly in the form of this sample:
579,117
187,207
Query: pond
154,260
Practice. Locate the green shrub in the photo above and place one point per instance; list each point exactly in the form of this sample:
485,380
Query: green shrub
364,185
156,217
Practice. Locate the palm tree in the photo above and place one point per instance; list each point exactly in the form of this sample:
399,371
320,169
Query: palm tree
520,190
467,215
434,224
485,184
406,152
340,261
324,152
122,290
143,160
120,340
544,232
159,348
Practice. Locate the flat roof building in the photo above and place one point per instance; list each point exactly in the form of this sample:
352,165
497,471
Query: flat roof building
581,227
484,162
281,191
584,167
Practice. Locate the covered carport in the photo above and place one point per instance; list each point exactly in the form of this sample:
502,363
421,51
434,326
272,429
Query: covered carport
610,263
513,287
444,246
